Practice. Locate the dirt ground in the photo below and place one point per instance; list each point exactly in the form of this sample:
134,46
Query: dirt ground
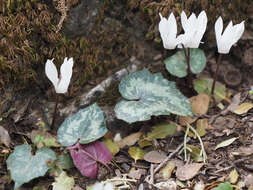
20,118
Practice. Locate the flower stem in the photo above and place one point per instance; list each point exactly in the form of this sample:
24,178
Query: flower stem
55,109
187,54
215,78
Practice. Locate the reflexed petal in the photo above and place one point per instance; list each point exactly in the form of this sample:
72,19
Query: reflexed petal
173,25
51,72
218,29
238,31
184,20
66,73
168,31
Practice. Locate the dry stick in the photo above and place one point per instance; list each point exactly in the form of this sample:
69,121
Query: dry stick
55,109
150,178
215,78
170,156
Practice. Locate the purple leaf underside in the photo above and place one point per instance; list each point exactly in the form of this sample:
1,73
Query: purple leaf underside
86,157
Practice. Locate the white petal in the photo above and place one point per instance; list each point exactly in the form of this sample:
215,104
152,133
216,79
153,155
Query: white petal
200,29
168,31
238,31
51,72
184,20
66,73
108,186
172,23
218,29
98,186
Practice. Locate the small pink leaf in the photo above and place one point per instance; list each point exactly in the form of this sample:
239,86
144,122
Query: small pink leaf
86,157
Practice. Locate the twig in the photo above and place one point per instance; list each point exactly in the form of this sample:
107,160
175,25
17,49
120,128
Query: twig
170,156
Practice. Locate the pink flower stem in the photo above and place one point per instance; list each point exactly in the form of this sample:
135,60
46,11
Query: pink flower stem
55,109
215,78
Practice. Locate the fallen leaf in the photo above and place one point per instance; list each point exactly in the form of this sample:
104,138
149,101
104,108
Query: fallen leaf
195,153
4,136
188,171
166,185
161,131
249,180
200,104
143,143
225,143
244,151
86,157
202,125
63,182
183,120
112,146
199,186
129,140
233,176
136,153
137,174
154,157
167,170
243,108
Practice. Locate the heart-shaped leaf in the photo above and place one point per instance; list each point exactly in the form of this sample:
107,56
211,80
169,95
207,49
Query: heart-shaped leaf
87,125
204,85
86,157
25,167
177,66
151,94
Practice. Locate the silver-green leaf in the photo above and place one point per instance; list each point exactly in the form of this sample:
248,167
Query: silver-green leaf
150,94
176,64
25,167
85,126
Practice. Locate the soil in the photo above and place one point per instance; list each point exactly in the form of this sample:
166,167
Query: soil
21,117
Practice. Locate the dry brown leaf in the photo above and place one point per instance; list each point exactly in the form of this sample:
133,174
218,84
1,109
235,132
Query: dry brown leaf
183,120
249,180
136,174
154,157
200,104
4,136
188,171
243,108
130,140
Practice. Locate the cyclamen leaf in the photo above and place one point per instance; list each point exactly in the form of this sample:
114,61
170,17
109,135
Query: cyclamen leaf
85,157
87,125
25,167
151,94
177,66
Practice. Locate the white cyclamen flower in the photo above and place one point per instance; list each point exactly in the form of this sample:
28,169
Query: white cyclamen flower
103,186
230,35
194,29
168,31
61,82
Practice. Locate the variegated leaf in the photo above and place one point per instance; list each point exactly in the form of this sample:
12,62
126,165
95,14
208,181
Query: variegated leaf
25,167
150,94
87,125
